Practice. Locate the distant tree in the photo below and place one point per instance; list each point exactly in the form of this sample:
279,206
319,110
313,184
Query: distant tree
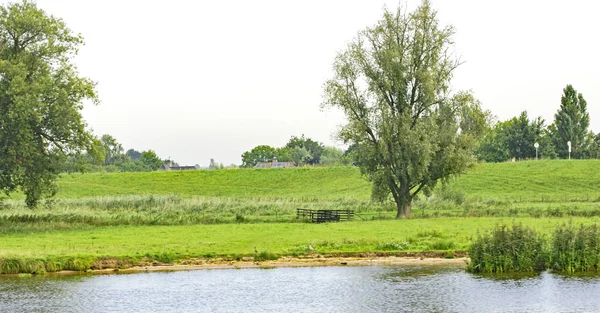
283,155
113,150
315,149
474,121
258,154
591,146
300,155
571,124
41,94
493,147
133,154
151,160
170,162
392,82
351,153
520,137
516,138
333,156
213,165
85,161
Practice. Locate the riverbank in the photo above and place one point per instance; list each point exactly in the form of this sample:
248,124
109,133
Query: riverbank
365,259
128,246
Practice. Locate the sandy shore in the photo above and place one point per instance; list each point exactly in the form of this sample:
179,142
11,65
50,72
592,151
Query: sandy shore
207,264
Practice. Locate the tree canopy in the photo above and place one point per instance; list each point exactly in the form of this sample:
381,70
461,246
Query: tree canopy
571,124
41,96
516,138
393,84
262,153
305,149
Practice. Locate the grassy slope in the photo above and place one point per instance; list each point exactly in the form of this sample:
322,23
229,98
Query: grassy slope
531,179
317,182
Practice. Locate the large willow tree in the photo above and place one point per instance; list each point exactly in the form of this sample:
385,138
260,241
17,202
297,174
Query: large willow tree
393,84
40,100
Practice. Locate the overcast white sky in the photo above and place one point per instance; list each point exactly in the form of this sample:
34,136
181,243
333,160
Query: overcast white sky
195,80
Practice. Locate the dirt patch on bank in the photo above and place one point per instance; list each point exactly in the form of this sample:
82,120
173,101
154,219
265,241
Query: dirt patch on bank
340,259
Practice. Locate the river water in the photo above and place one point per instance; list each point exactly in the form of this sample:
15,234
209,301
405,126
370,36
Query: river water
316,289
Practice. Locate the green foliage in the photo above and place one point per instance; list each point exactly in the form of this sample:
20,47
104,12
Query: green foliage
151,160
265,256
572,121
523,249
133,154
113,151
515,138
305,150
257,155
300,155
508,249
40,100
333,156
393,82
575,249
474,121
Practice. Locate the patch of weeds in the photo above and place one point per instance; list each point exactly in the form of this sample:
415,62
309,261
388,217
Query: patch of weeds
209,255
442,244
433,233
162,257
392,246
265,255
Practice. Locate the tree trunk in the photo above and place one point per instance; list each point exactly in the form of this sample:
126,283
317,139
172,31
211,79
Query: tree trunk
404,206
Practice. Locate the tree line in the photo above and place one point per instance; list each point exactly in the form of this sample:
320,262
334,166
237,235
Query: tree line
300,150
517,137
106,154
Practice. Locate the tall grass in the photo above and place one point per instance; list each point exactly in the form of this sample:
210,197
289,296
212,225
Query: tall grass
575,249
523,249
166,210
173,209
516,248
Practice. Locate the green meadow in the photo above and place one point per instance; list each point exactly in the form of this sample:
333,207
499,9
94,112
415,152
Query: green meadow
173,216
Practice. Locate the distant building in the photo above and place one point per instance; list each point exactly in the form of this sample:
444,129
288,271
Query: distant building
275,164
169,167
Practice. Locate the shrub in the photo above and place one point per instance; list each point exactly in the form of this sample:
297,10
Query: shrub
575,249
508,249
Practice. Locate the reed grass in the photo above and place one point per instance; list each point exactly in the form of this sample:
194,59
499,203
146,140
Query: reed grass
515,248
523,249
575,248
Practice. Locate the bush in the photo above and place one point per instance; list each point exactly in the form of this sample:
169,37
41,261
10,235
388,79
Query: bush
508,249
575,249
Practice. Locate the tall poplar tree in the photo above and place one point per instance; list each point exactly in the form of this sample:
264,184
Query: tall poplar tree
571,123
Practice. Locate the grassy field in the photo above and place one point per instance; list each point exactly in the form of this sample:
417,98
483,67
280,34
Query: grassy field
83,249
556,180
167,216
